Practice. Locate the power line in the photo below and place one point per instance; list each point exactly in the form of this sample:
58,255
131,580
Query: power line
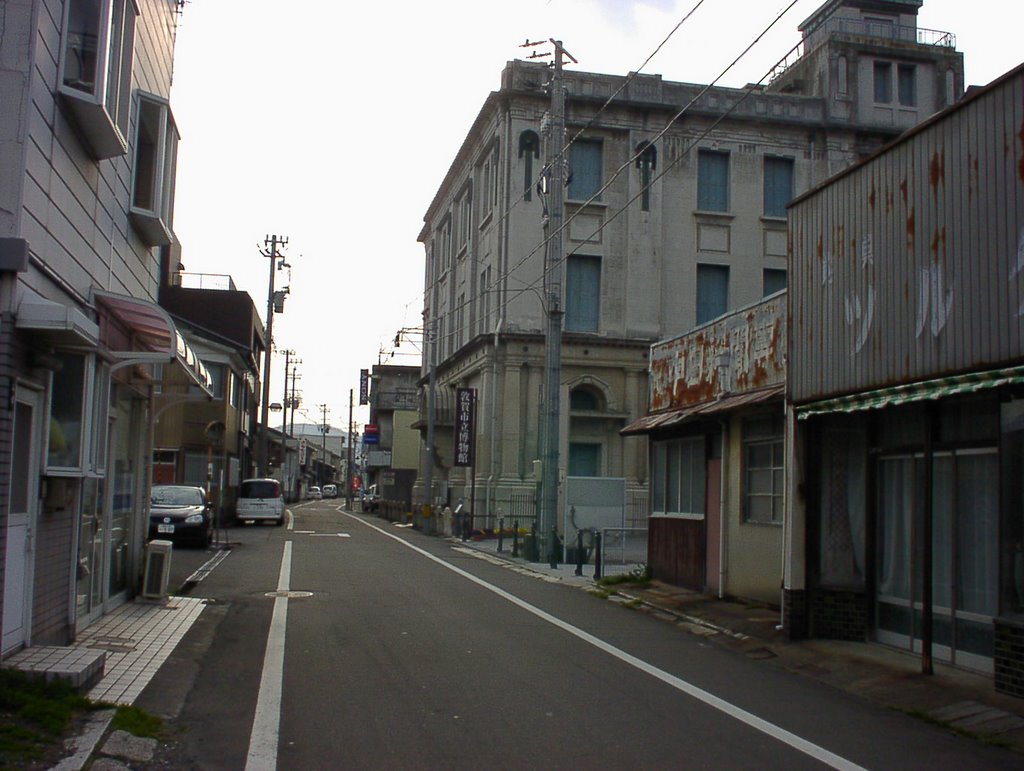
533,284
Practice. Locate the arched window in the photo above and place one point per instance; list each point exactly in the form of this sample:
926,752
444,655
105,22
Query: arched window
529,148
584,399
647,162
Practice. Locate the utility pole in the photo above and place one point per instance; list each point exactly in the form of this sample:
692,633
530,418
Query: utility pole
294,400
553,267
430,337
323,429
285,457
348,462
271,244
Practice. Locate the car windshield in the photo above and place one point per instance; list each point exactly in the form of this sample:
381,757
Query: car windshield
177,496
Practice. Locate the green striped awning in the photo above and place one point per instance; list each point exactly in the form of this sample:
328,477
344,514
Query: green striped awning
924,390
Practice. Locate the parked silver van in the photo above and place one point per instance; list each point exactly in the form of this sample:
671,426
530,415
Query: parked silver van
260,500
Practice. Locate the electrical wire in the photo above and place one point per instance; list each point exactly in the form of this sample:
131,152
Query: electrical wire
532,285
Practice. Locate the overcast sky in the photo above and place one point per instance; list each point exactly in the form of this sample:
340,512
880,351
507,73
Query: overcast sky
333,123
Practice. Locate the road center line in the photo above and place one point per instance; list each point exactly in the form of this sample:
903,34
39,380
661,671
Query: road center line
737,713
266,723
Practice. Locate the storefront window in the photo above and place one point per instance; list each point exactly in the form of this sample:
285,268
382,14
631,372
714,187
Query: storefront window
842,503
1012,460
65,442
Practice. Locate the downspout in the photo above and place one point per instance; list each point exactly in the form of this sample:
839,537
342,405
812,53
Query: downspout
723,490
491,494
789,455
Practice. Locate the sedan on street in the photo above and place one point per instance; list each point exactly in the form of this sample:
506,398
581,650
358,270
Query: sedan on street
180,512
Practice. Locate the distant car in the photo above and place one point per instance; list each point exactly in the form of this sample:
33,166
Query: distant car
260,500
371,500
330,491
180,513
314,493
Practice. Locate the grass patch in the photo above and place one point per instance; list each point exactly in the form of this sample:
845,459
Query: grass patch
638,576
137,722
34,715
602,594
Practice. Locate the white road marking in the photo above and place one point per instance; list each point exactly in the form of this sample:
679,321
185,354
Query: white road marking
266,723
208,567
330,535
748,718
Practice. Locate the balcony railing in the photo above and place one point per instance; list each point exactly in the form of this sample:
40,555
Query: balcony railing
221,281
870,29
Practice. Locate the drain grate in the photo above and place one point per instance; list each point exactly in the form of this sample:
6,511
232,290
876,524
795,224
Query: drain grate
113,644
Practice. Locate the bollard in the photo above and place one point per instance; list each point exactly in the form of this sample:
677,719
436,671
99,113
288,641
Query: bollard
553,551
597,555
579,553
515,537
501,535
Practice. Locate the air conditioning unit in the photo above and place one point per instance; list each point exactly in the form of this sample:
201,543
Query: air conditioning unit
157,571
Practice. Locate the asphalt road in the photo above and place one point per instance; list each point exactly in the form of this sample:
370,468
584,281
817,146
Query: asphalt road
350,643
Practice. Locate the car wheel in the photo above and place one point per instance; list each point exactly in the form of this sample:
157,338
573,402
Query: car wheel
279,521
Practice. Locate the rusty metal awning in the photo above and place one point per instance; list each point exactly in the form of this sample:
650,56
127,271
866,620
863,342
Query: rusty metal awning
146,334
662,420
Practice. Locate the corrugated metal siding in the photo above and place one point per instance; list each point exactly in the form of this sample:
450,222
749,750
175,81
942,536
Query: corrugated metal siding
912,265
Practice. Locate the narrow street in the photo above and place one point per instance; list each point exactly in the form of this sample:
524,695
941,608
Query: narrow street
398,651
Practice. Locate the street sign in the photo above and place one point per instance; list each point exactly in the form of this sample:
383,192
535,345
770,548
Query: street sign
371,433
364,386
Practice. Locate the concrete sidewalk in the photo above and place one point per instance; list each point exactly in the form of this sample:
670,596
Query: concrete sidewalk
964,701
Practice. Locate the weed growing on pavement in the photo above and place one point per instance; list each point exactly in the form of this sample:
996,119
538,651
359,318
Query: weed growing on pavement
138,722
639,575
34,714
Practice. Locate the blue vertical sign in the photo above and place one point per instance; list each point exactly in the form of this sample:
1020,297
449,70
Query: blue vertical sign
465,406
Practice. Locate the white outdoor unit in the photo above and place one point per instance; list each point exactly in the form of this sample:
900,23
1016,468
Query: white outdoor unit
157,571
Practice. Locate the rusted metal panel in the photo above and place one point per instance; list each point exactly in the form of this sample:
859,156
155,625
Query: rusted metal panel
911,265
743,351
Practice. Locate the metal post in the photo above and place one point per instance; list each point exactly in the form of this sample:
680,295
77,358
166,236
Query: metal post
515,537
553,551
501,534
579,553
348,462
597,555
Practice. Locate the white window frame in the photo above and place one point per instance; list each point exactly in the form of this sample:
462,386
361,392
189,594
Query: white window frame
155,161
763,432
661,473
101,107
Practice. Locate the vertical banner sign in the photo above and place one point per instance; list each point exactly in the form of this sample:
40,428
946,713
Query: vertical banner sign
465,406
364,386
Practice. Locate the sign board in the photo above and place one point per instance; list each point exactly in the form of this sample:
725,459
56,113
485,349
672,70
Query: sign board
378,458
371,433
364,386
465,407
302,450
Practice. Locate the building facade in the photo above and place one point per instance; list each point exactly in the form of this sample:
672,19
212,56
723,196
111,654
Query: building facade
87,146
211,441
716,429
675,214
907,386
392,463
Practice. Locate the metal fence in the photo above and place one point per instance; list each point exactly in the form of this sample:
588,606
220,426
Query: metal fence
623,546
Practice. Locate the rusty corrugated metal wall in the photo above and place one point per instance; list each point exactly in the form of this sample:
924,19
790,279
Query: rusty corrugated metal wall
911,265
